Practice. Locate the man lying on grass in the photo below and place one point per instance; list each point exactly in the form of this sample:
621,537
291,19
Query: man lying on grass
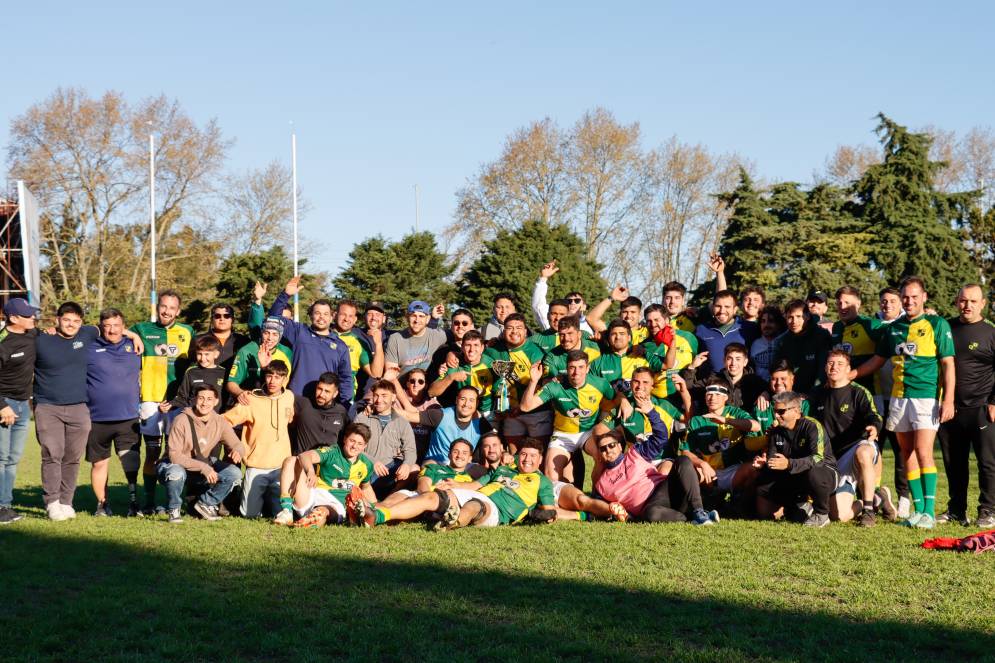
452,474
501,497
315,483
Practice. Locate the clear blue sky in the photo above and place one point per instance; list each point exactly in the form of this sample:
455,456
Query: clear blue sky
386,95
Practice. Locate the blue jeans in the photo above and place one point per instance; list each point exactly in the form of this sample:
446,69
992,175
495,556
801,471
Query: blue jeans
12,440
174,477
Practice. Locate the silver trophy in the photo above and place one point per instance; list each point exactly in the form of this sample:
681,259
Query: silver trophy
505,372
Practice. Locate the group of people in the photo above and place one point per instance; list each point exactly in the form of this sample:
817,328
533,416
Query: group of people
741,409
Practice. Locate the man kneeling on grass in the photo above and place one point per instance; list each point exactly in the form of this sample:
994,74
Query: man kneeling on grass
501,497
799,464
194,439
315,483
631,481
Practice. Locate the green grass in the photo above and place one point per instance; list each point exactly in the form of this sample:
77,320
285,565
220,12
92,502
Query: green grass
119,589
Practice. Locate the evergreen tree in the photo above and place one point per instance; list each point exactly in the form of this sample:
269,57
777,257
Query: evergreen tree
510,263
913,223
396,273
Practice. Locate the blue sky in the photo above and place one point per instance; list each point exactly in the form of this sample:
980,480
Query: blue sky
387,95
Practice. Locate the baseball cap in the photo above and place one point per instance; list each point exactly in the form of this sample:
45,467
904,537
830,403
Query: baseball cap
19,306
817,295
419,307
376,306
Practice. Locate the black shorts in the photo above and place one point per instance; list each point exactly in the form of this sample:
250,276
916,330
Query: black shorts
124,435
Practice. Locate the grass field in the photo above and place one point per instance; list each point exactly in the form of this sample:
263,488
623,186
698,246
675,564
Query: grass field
143,590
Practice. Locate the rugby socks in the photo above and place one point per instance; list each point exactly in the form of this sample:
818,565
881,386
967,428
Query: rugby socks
915,487
869,505
929,490
132,478
382,514
583,515
150,481
287,502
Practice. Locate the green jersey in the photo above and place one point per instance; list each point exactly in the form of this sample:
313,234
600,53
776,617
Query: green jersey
523,357
549,339
481,378
437,472
859,339
718,444
618,370
686,348
359,358
915,348
637,427
337,475
515,493
556,359
164,359
245,369
576,409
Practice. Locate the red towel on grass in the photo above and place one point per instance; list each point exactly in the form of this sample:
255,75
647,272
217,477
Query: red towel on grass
979,542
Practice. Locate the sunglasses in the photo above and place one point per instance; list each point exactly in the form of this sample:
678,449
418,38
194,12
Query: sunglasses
606,447
222,316
462,323
575,300
416,381
782,410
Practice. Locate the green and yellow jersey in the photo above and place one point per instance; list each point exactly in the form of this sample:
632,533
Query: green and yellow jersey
165,347
337,475
359,357
550,338
683,322
915,348
515,493
523,357
556,359
686,349
717,444
481,378
245,369
640,334
637,427
860,339
618,370
438,472
576,410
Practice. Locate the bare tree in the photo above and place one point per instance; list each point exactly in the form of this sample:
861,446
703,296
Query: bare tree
258,209
847,165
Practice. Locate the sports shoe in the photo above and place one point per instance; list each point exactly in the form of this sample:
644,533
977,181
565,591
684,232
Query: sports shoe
56,512
912,519
174,516
701,517
103,510
206,511
947,518
884,503
866,519
817,520
714,516
8,515
618,512
925,521
285,517
355,507
69,510
986,520
134,511
451,515
316,518
904,510
798,513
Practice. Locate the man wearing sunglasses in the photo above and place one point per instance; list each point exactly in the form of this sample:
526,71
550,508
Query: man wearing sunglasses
221,327
799,464
576,305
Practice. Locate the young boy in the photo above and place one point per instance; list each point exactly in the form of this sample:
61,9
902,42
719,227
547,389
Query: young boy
267,439
207,350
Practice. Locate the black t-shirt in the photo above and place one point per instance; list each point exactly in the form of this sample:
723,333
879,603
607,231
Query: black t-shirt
315,427
17,364
229,349
974,362
60,367
845,412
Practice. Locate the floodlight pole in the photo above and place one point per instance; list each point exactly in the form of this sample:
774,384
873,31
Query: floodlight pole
152,297
293,170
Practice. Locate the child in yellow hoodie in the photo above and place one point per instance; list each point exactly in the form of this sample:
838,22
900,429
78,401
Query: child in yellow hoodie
265,414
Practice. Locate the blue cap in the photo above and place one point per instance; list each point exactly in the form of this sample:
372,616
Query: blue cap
20,306
419,307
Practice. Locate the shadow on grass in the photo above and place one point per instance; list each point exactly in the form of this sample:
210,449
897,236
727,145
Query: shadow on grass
78,599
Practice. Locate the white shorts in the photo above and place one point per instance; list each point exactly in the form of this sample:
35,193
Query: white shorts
845,467
152,422
569,442
911,414
406,493
531,424
321,497
558,487
724,477
463,496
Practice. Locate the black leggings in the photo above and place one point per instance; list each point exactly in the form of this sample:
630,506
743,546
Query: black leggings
676,496
783,488
969,429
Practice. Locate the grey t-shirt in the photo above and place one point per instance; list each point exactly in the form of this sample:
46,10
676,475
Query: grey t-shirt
410,352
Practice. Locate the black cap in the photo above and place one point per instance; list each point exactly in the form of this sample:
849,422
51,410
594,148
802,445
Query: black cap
817,295
375,306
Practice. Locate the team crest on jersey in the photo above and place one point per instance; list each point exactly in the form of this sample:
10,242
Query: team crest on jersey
846,347
77,345
128,347
844,407
908,348
973,346
854,333
579,412
921,332
719,445
166,350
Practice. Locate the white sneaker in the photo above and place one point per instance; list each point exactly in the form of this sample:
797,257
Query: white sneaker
285,517
904,506
68,510
56,512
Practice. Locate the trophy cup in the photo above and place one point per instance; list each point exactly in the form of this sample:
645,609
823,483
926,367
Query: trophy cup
505,372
